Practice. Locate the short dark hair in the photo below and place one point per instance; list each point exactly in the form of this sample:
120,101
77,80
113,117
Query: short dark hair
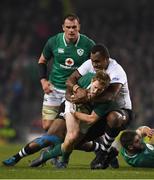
71,17
102,49
127,138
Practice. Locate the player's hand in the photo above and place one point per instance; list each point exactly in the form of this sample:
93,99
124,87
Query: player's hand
149,132
145,131
46,86
80,96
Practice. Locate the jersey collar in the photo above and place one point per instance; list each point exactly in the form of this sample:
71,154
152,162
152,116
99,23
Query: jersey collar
129,156
76,41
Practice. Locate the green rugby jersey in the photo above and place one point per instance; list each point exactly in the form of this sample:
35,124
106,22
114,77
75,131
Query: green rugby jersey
66,57
101,109
85,80
142,159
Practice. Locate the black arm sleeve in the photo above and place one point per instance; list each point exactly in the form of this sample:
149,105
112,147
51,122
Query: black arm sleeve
42,70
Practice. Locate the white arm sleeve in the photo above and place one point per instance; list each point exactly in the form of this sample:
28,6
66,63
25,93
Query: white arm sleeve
86,67
118,75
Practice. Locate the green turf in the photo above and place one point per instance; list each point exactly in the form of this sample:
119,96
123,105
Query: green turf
78,168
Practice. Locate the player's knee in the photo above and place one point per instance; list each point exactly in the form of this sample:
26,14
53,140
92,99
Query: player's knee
32,145
73,136
114,119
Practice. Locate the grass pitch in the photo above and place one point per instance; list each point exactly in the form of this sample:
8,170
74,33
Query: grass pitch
78,168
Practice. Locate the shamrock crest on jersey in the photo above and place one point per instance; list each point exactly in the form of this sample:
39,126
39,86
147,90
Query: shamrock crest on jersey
80,52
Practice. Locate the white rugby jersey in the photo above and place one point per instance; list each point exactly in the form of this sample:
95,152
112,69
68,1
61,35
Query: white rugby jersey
117,75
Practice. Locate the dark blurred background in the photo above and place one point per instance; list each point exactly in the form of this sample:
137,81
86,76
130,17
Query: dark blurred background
126,27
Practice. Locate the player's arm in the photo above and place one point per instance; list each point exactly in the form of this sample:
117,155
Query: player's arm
42,64
72,80
88,118
109,94
74,89
145,131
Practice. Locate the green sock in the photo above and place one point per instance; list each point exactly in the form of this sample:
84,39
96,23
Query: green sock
52,153
65,156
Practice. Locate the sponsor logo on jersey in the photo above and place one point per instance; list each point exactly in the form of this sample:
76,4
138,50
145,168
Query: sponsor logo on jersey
80,52
69,62
67,67
60,50
115,79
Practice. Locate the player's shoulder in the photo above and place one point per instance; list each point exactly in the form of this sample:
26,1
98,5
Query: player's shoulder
55,39
115,65
87,65
85,38
88,62
113,62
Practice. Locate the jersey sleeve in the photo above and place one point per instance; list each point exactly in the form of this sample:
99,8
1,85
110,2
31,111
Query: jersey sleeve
47,50
85,68
101,109
91,44
118,75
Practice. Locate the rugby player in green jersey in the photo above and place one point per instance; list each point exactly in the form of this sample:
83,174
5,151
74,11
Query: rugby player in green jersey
78,126
68,50
135,151
96,83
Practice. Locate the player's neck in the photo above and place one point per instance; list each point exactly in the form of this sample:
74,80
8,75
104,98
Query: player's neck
71,41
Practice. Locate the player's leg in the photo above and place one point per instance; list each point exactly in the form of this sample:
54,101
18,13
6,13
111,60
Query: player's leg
32,147
72,134
50,108
64,149
89,143
116,121
46,155
55,135
52,153
48,113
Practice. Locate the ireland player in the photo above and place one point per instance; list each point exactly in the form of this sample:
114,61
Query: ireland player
134,150
68,50
78,125
100,80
